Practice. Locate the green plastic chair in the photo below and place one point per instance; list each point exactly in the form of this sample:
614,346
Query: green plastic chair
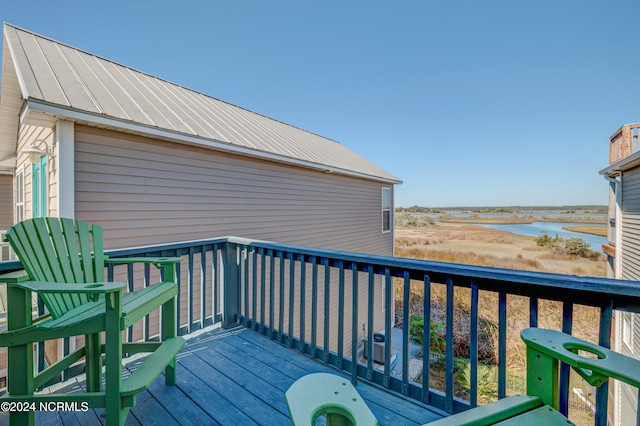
319,394
64,264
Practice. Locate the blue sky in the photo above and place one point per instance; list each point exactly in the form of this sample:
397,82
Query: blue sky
470,103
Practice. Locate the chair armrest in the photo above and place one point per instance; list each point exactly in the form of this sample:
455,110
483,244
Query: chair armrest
68,288
14,277
595,371
158,262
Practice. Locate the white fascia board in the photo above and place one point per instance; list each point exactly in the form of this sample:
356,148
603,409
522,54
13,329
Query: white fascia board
8,164
68,113
23,86
621,165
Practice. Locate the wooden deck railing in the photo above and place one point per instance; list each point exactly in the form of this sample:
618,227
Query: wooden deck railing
624,142
325,303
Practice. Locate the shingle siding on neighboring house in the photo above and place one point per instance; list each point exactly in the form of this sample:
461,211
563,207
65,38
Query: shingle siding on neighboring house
146,191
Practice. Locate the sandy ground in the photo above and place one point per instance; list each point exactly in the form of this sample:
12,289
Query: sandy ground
459,237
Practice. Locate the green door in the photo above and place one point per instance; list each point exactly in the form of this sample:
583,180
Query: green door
39,191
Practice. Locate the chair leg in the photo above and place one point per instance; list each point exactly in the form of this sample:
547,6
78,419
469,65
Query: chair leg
20,380
542,377
93,357
19,358
169,329
113,363
169,324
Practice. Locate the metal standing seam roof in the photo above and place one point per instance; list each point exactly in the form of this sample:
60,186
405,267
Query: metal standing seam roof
58,79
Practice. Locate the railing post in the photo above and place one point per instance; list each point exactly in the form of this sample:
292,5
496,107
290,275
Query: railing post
231,284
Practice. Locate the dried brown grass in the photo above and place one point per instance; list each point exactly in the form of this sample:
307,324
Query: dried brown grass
585,319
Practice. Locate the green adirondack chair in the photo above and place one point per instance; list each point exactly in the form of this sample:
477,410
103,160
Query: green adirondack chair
545,350
64,264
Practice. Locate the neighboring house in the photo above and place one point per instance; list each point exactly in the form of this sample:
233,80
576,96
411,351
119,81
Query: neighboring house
154,162
623,251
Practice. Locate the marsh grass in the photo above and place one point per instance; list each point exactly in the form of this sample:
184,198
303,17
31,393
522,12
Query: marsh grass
469,258
585,318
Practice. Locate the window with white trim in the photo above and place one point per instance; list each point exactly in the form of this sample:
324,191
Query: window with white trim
19,182
386,210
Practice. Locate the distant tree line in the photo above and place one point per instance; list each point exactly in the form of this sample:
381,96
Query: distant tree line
417,209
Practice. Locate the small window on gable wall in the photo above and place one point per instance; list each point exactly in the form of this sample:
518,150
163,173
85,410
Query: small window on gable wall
386,210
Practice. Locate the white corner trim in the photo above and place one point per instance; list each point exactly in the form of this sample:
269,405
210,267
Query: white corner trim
64,153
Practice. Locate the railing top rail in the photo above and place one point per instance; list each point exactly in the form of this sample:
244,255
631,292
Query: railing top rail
585,290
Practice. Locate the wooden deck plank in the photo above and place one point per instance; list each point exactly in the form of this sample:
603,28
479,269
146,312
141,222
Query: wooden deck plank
237,395
234,377
197,388
184,410
388,410
260,389
148,410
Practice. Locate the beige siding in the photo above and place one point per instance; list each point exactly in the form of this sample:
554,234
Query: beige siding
6,201
28,135
148,192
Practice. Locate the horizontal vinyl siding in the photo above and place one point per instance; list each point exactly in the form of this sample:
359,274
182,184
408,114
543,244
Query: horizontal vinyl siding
145,192
630,270
6,201
148,192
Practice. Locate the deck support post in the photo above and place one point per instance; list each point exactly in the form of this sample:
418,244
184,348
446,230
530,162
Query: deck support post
231,260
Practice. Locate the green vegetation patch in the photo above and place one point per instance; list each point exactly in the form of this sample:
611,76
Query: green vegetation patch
570,246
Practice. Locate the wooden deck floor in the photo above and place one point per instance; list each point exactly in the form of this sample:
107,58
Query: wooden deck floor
235,377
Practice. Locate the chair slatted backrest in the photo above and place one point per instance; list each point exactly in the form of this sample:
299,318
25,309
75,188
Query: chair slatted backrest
62,251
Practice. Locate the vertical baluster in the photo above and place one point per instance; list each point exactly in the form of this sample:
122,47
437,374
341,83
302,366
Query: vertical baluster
473,356
190,301
244,273
533,311
178,272
109,272
602,391
303,302
254,289
354,323
292,272
502,343
327,307
215,254
130,282
426,343
388,308
370,322
340,313
314,305
271,293
406,315
263,289
281,306
203,286
147,273
448,403
565,370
